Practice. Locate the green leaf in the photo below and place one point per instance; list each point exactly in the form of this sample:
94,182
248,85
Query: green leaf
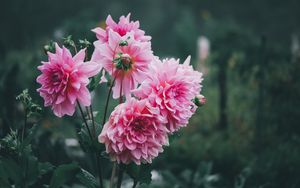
30,136
88,144
4,183
45,167
32,172
140,173
94,82
86,179
9,169
63,174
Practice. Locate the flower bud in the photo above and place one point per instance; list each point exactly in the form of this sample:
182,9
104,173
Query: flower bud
123,62
200,100
49,47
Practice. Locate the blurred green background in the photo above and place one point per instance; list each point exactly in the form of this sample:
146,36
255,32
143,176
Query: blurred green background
248,133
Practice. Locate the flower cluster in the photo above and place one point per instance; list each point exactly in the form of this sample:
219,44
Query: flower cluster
161,95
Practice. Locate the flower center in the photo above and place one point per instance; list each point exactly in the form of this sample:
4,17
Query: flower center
123,62
139,124
122,31
55,77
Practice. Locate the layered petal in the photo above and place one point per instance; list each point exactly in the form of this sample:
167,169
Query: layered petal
135,132
64,80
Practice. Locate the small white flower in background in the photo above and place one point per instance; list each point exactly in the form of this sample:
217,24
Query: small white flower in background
71,142
203,47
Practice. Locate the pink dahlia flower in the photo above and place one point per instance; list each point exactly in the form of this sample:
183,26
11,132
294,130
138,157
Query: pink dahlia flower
172,87
134,132
125,59
64,80
123,27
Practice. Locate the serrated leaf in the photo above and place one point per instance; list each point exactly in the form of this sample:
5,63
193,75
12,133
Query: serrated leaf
63,174
86,178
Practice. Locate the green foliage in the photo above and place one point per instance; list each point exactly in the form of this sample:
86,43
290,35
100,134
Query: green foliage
84,43
31,108
67,172
18,165
88,144
86,179
234,29
94,82
69,42
50,47
139,173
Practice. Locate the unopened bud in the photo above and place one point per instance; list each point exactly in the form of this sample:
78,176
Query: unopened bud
49,47
84,43
200,100
123,43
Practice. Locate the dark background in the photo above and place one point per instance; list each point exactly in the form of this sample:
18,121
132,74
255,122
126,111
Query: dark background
247,134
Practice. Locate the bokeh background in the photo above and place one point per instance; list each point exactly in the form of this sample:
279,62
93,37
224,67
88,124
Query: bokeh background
248,133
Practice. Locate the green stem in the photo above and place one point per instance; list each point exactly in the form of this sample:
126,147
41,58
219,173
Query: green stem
87,112
120,177
120,99
93,121
107,101
113,175
84,120
134,183
98,163
24,126
120,171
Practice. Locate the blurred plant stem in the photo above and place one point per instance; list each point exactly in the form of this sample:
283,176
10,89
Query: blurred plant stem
84,120
25,122
134,183
113,173
96,153
107,101
120,177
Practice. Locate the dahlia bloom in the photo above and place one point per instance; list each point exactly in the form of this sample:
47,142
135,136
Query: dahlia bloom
123,27
135,132
125,59
171,87
64,80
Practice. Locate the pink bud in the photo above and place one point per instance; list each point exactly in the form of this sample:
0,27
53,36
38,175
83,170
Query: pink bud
200,100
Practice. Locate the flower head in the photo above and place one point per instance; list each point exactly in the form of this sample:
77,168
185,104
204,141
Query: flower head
125,59
123,27
64,80
171,87
135,132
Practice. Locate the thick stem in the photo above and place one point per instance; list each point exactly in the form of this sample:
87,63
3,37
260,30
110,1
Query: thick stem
113,175
84,120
